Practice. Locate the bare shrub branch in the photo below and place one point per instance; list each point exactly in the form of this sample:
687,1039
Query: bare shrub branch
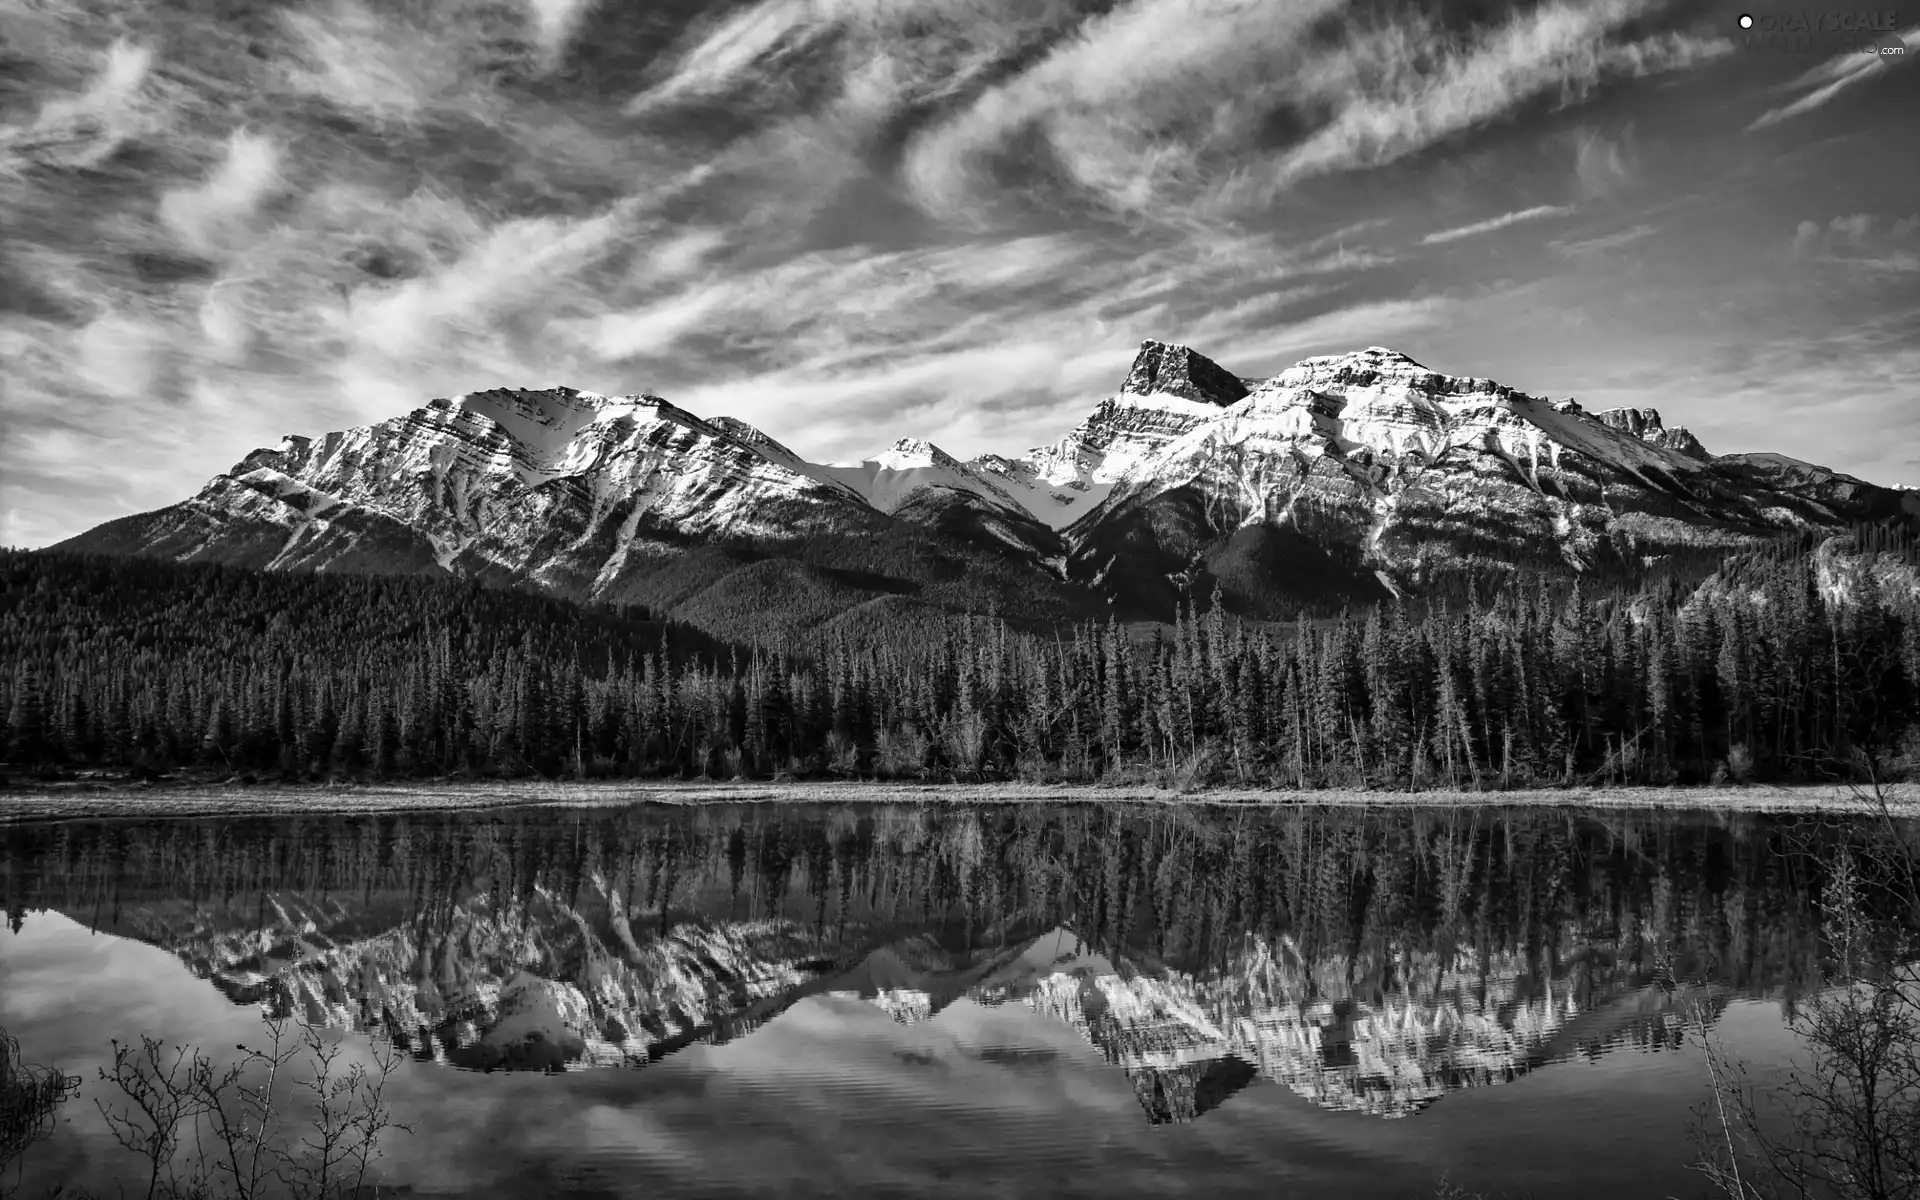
260,1127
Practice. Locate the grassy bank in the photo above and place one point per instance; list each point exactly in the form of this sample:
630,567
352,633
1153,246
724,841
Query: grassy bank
96,798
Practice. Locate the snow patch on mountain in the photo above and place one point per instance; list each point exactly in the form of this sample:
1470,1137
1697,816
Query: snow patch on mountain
894,477
764,445
1057,485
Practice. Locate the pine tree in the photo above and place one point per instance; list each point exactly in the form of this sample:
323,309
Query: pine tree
26,720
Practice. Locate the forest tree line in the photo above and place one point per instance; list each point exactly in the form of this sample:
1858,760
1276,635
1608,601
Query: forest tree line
1765,675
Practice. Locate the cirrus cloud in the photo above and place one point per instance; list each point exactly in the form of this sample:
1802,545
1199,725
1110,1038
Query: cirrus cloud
846,220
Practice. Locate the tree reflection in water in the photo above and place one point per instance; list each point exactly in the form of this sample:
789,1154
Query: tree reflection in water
1369,960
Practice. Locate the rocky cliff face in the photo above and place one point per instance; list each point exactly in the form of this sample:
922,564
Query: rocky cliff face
1345,477
1644,423
1177,371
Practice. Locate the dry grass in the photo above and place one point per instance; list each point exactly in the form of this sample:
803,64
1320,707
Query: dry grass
83,800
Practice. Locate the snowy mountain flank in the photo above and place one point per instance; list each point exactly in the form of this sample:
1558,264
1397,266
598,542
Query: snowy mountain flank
1345,477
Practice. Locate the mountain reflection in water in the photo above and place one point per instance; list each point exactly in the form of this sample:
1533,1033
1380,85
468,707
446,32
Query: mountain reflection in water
1371,961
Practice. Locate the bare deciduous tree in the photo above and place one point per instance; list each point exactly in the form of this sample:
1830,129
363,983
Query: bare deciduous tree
259,1127
1843,1121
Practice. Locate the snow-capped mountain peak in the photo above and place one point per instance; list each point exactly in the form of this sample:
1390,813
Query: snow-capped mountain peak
1169,391
907,469
909,453
555,485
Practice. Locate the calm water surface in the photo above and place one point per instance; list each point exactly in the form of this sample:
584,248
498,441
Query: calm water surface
956,1001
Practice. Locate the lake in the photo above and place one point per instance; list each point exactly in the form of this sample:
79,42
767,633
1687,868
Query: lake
945,1000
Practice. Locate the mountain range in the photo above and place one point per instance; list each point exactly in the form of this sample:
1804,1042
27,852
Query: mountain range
1345,478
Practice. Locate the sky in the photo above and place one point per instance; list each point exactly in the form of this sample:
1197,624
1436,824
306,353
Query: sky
850,221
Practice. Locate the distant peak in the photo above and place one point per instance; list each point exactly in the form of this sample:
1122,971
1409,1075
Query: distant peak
1388,352
914,452
1636,421
1372,355
1645,424
1375,365
533,398
1161,368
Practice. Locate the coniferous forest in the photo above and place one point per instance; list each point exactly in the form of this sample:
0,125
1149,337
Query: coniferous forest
1779,667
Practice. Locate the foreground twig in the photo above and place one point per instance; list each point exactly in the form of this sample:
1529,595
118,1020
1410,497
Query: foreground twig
258,1129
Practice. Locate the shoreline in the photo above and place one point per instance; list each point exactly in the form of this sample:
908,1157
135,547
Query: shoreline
93,801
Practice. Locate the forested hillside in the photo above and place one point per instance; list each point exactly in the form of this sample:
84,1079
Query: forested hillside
144,662
1770,671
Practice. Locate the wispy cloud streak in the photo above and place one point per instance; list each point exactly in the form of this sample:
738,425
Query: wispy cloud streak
1820,85
844,220
1580,247
1494,224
